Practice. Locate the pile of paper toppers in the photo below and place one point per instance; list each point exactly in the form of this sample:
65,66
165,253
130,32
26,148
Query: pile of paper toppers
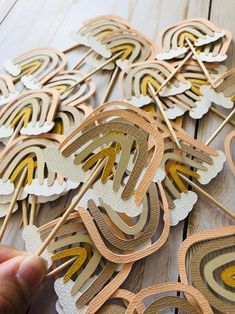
132,164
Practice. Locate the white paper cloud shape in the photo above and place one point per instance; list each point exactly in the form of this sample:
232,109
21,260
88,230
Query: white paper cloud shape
212,170
140,101
217,98
12,68
6,188
183,207
172,53
175,112
63,165
44,189
30,83
37,129
202,106
4,209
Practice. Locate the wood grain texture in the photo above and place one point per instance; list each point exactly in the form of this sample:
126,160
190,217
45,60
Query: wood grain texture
5,8
27,24
205,214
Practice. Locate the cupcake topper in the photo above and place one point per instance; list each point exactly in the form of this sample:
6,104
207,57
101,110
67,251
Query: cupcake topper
206,42
200,31
175,164
94,30
87,139
86,279
24,173
197,303
31,113
139,82
117,222
201,89
124,46
208,253
36,66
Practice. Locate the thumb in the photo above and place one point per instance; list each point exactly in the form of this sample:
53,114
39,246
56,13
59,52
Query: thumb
19,279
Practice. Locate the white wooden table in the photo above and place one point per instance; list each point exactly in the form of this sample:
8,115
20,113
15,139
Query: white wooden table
26,24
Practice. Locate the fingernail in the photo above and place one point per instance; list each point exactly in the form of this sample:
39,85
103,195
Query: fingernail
31,272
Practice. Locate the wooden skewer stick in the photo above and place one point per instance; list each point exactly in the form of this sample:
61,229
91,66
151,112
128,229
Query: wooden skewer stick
16,79
95,70
111,82
74,202
71,48
177,69
24,213
33,209
76,66
37,211
156,99
61,267
214,201
204,69
16,131
12,204
220,127
221,115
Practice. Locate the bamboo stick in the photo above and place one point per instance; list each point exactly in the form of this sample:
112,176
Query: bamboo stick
220,127
177,69
111,82
12,204
221,115
71,48
24,213
156,99
95,70
33,209
208,196
61,267
76,66
73,204
204,69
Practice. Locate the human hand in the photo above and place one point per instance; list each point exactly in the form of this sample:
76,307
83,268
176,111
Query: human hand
20,277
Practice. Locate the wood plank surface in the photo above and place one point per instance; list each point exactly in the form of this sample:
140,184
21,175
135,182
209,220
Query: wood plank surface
205,214
5,7
27,24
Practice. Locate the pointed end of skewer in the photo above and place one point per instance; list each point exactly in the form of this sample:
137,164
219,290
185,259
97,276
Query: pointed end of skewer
186,38
168,123
177,142
175,138
208,196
